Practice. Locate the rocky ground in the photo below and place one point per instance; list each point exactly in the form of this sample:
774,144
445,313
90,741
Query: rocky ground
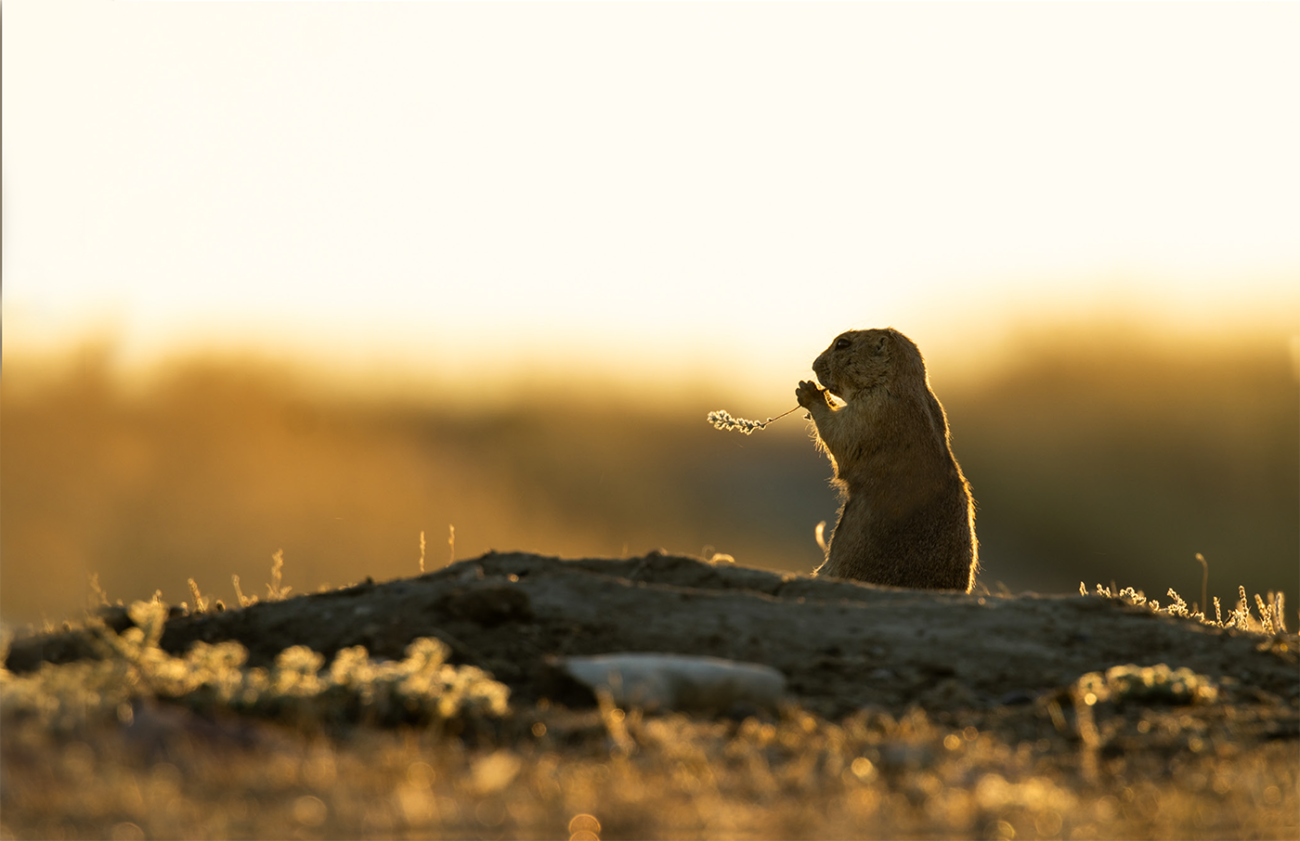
1096,693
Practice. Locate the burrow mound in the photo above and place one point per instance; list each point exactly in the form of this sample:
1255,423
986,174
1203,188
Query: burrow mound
841,645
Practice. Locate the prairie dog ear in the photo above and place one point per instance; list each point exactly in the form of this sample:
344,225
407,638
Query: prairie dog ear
880,345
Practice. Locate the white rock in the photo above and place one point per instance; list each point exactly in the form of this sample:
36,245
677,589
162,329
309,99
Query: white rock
677,681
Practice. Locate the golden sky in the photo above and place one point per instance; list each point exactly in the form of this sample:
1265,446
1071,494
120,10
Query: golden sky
685,190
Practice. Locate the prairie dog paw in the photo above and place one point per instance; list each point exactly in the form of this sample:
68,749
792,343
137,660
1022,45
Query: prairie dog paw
810,394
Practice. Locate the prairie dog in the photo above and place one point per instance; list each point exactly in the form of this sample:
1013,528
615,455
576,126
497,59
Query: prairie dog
908,519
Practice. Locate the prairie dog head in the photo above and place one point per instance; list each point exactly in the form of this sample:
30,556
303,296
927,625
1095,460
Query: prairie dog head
861,361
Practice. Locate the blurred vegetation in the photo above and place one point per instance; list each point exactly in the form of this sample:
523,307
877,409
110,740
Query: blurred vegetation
1094,455
421,689
1098,454
1179,770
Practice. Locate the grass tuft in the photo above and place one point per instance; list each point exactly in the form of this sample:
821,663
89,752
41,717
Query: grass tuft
1121,684
420,689
200,602
1270,621
276,590
100,596
244,601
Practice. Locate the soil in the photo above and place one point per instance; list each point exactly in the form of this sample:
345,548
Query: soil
841,645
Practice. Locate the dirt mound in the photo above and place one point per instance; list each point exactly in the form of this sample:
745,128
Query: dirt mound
841,645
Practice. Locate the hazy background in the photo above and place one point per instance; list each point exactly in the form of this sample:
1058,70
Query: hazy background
319,276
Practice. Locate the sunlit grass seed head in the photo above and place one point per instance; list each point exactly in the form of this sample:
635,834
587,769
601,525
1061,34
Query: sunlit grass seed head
721,419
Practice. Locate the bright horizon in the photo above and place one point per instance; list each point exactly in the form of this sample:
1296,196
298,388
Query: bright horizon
486,191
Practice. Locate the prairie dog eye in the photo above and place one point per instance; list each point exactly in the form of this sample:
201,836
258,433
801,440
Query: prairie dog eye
841,343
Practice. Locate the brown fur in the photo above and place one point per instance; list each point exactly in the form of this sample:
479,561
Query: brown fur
908,519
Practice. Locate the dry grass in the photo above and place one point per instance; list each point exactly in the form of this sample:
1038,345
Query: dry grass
794,776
